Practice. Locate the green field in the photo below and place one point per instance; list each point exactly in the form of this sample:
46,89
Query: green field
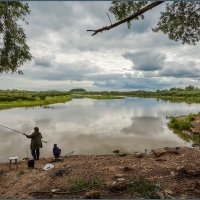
22,98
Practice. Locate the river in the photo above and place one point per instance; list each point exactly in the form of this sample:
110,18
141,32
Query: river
89,126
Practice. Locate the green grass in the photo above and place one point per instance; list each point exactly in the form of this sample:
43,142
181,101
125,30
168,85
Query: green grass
37,102
140,187
83,184
21,173
179,126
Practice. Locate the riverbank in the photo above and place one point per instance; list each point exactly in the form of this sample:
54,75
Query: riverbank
33,103
165,173
22,98
187,127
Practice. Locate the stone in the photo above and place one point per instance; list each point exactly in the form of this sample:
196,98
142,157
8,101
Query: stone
92,195
127,169
166,150
117,186
158,152
168,192
181,170
119,176
172,173
139,155
116,151
195,145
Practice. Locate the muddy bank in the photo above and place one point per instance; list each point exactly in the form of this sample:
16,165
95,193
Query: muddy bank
174,170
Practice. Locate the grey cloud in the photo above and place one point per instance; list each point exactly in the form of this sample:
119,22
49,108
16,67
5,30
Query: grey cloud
117,81
146,60
44,61
70,20
64,71
188,69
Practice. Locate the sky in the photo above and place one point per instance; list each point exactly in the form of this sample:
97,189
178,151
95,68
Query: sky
66,56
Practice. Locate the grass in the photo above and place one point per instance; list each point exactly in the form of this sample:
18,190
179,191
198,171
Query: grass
179,126
83,184
21,173
37,102
140,187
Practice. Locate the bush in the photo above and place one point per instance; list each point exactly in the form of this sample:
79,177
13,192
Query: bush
82,184
142,188
179,124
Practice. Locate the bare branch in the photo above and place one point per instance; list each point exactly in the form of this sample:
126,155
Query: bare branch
131,17
109,18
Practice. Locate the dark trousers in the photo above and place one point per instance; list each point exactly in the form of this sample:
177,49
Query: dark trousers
36,154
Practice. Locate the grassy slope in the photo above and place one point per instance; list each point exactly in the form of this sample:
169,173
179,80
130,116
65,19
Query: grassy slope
181,125
38,102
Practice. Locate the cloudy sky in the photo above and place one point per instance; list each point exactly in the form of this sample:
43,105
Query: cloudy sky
66,56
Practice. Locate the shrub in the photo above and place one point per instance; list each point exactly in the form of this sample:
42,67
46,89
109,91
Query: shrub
82,184
181,124
142,188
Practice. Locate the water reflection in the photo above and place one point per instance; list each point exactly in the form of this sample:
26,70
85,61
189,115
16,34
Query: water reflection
93,126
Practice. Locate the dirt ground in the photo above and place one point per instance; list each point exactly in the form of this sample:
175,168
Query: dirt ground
176,170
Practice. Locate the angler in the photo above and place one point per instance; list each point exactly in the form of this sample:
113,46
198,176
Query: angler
36,143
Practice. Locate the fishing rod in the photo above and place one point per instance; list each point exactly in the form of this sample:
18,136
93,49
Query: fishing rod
18,131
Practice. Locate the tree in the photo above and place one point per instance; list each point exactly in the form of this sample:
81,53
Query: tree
180,20
13,48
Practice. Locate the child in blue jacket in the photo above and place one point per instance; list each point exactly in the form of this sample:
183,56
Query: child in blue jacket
56,151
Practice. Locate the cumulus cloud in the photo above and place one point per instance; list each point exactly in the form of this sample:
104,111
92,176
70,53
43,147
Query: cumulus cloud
146,60
44,61
190,69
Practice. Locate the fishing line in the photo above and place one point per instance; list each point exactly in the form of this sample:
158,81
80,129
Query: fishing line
17,131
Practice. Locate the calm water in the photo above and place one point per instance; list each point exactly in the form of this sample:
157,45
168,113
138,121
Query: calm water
93,126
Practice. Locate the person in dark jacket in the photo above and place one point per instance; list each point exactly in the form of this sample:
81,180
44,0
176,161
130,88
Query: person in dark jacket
56,151
36,143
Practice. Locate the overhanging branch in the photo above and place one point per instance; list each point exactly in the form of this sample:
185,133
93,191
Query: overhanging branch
131,17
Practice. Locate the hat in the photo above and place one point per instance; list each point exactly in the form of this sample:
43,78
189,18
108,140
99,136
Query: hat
36,128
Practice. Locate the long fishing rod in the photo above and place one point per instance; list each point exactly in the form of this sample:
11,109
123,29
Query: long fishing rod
18,131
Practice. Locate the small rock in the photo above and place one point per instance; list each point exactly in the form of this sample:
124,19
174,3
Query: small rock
116,151
158,152
181,170
54,190
139,155
168,192
195,145
92,195
127,169
160,195
172,173
119,175
117,186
